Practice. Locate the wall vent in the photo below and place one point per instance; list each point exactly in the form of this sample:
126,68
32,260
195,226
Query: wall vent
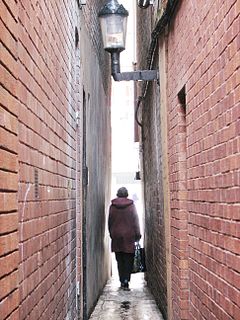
36,184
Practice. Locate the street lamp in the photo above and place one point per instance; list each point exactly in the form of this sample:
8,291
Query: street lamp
113,22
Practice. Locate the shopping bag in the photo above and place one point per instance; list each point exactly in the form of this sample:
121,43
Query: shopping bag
139,259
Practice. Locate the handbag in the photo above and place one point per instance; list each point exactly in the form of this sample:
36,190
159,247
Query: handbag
139,264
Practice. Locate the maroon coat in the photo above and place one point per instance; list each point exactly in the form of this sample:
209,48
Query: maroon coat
123,225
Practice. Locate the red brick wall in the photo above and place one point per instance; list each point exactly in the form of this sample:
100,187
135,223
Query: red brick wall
42,77
46,46
209,67
155,244
9,256
179,215
203,151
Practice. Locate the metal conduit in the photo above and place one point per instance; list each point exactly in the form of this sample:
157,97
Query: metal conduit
161,24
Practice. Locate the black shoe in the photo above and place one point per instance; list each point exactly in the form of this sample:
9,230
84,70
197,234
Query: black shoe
126,286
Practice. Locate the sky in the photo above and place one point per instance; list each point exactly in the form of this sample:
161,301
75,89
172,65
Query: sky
124,150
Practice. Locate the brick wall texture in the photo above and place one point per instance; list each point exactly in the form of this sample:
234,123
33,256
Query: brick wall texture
9,105
202,59
43,73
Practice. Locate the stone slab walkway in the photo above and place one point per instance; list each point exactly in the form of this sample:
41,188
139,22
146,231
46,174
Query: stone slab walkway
117,304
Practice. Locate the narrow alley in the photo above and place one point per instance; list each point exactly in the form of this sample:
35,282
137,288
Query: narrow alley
102,95
117,304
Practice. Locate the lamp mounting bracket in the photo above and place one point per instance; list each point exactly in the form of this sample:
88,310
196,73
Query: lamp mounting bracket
141,75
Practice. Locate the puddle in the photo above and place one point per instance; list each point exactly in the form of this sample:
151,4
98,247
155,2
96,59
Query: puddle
125,305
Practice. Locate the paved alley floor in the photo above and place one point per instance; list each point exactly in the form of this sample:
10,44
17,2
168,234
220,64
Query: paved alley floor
117,304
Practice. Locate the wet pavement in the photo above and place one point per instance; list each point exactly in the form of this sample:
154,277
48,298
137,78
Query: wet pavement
117,304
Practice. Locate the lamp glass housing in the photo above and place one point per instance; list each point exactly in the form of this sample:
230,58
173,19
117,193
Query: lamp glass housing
114,28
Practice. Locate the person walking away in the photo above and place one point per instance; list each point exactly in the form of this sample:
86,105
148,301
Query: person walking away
123,225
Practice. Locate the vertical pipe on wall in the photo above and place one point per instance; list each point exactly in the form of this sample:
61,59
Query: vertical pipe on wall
84,213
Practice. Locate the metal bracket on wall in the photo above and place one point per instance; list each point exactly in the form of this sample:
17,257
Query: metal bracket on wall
140,75
143,75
